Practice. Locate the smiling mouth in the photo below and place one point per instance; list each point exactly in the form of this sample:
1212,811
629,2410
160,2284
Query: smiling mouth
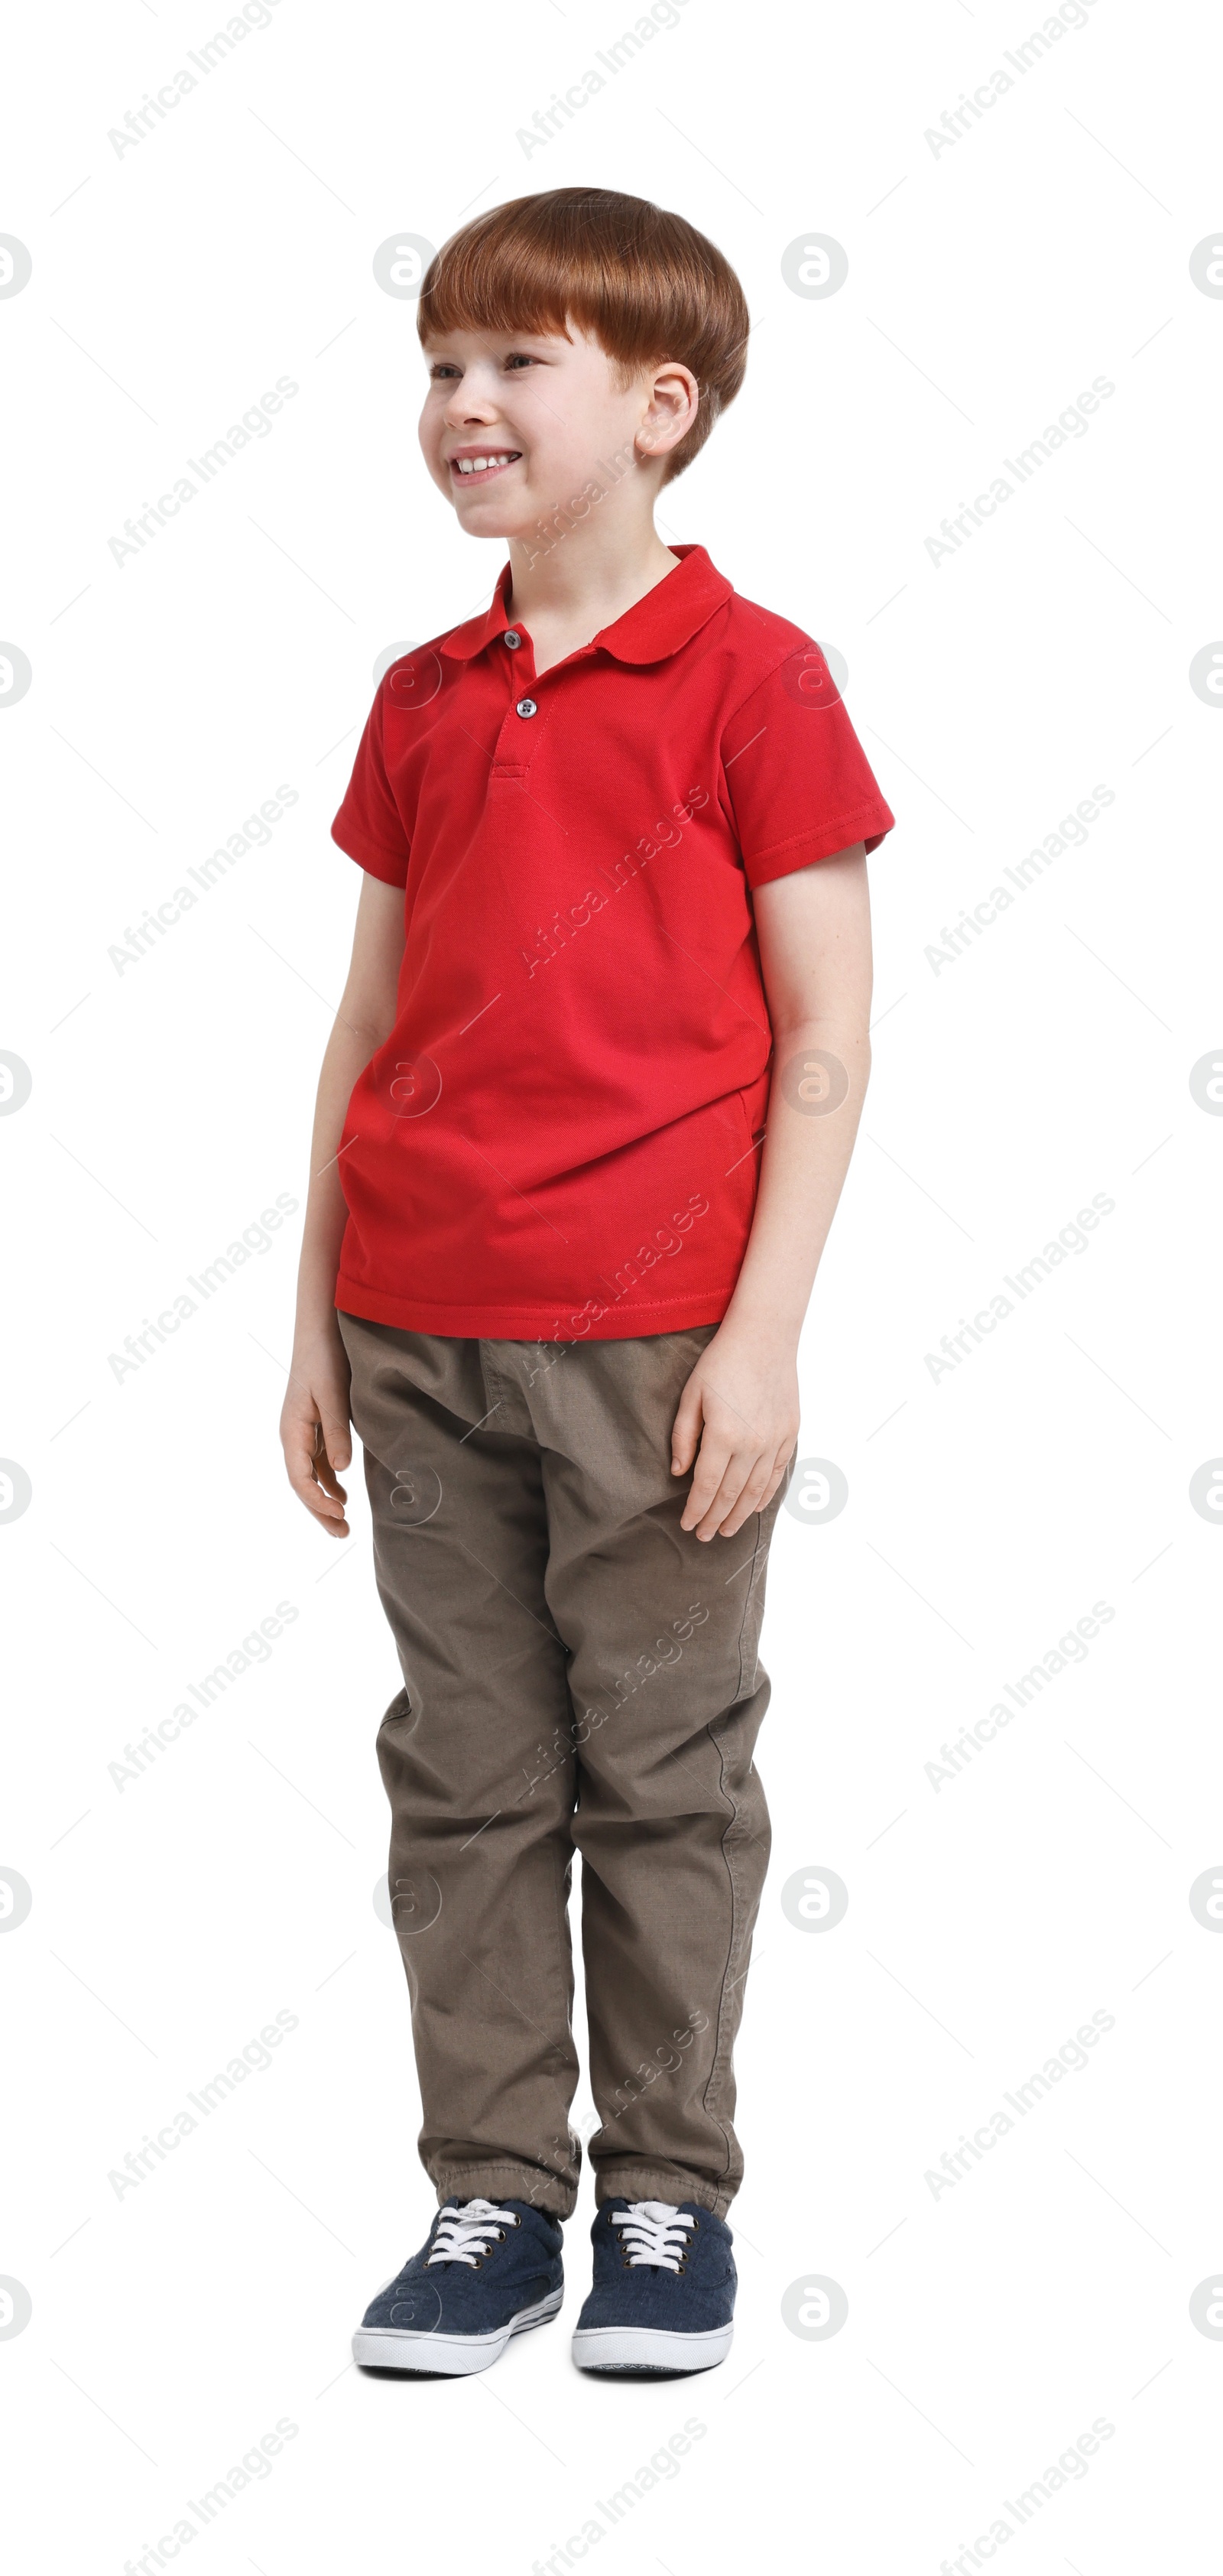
482,469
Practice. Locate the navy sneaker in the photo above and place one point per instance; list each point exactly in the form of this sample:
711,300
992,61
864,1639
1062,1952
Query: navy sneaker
664,2289
484,2273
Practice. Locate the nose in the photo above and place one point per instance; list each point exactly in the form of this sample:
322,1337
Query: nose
470,404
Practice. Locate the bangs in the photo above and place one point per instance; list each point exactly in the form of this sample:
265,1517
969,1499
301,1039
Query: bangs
475,289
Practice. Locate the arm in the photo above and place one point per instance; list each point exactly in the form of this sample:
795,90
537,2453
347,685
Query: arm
314,1422
741,1402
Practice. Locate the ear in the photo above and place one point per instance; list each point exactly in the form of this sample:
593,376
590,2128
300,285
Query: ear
673,401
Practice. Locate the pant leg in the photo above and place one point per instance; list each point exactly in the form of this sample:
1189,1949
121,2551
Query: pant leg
477,1758
671,1821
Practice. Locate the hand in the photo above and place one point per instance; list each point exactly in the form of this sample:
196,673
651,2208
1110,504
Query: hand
314,1426
741,1405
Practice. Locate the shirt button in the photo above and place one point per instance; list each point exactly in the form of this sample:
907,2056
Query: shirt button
512,639
525,707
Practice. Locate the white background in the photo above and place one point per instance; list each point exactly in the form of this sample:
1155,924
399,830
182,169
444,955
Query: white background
172,1917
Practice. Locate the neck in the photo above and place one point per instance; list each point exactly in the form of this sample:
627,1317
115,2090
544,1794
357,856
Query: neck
590,575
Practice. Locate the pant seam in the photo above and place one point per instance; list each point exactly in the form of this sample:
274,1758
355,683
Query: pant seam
721,2052
716,2069
747,1603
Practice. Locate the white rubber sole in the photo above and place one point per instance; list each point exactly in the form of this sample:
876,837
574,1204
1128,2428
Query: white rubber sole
646,2348
400,2348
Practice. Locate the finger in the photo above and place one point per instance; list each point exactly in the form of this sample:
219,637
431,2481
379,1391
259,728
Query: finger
712,1459
686,1430
729,1488
299,1439
726,1518
329,1515
337,1441
770,1489
757,1491
322,1506
776,1474
329,1492
323,1467
301,1461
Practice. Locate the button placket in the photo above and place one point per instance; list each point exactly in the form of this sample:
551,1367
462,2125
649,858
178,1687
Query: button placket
507,764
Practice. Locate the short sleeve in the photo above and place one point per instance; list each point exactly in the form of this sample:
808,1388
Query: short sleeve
796,777
369,826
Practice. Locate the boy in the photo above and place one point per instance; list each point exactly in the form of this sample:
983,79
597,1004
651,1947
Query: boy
613,835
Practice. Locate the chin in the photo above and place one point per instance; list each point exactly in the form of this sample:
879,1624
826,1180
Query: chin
493,523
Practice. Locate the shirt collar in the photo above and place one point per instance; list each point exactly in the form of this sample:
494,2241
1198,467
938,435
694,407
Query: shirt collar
656,626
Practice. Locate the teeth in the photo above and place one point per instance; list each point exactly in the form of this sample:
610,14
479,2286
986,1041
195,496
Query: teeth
481,464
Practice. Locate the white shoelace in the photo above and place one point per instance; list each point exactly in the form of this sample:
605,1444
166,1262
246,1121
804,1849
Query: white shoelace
464,2235
655,2231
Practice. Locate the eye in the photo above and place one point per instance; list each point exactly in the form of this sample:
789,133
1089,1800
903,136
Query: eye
443,367
522,358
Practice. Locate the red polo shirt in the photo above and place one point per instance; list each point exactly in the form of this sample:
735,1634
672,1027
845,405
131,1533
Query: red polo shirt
561,1135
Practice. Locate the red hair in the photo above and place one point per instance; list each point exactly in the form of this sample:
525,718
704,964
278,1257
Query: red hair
643,282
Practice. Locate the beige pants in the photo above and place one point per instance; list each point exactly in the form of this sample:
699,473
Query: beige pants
577,1670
